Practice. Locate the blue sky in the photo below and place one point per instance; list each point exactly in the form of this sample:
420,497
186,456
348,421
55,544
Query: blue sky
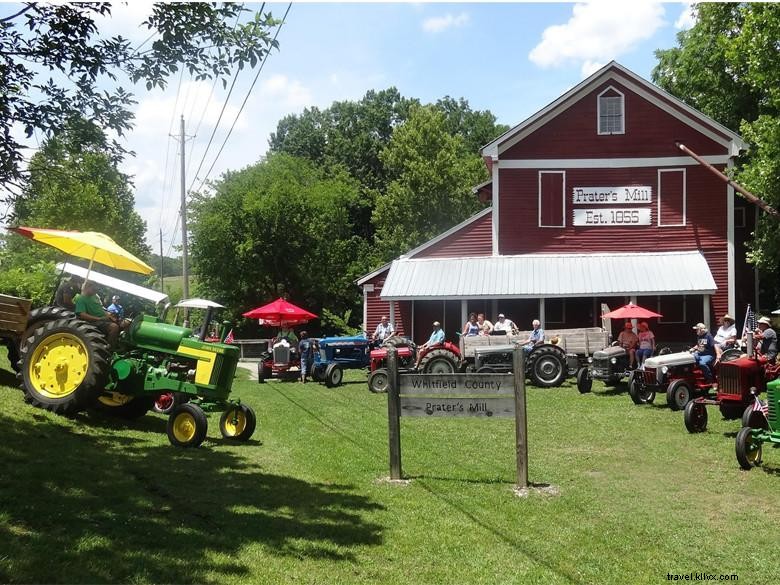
510,58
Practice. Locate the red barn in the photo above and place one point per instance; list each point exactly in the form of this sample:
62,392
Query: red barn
592,202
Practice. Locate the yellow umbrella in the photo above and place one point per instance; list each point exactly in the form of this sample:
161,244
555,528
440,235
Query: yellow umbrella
92,246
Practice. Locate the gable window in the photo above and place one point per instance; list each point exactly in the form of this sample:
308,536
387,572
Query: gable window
611,112
552,198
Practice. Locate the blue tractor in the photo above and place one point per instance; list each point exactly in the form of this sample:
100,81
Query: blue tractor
333,355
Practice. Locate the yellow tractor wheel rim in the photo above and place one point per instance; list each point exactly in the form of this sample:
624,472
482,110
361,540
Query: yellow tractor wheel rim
235,422
184,427
114,399
58,365
753,451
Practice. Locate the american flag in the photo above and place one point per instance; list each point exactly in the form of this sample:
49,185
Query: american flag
759,406
229,337
750,321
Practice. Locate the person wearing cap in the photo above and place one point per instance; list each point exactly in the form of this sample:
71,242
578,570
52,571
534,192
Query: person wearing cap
629,341
437,337
725,337
704,350
768,339
116,308
67,291
485,326
504,324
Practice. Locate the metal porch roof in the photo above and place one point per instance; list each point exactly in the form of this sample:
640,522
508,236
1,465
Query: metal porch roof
549,275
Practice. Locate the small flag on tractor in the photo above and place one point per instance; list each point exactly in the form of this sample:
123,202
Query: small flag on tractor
759,406
229,338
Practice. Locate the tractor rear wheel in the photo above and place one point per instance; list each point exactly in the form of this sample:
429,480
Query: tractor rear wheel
123,405
639,393
35,319
695,416
730,410
547,366
378,381
263,373
754,419
678,394
187,425
584,381
65,365
748,450
439,361
333,375
238,422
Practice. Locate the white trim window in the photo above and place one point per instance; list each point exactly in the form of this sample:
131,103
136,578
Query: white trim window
611,112
549,214
676,198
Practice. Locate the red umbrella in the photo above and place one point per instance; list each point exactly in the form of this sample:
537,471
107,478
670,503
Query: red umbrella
631,311
279,313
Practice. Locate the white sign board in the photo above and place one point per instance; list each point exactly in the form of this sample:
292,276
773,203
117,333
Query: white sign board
612,216
611,195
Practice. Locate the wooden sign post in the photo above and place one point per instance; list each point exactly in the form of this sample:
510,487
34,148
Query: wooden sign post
457,395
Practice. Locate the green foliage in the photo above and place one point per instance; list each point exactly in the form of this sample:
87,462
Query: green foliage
170,266
432,191
33,281
728,66
333,324
279,226
57,66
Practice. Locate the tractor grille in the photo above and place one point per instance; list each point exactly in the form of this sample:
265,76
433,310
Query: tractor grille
729,380
650,377
772,395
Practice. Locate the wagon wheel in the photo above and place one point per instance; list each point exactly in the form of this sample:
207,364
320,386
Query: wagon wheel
748,449
695,416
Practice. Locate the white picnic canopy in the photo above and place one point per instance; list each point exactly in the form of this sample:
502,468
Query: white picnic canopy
114,283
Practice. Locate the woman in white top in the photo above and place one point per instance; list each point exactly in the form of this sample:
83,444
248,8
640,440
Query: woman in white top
725,337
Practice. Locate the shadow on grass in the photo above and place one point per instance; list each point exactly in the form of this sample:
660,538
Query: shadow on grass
487,481
8,378
80,508
612,392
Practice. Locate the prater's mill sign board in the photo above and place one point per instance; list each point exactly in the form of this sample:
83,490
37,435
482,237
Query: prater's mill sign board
612,216
457,395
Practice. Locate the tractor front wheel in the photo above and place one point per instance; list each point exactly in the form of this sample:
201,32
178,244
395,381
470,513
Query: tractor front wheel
754,419
333,375
378,381
65,365
187,425
639,393
678,394
748,449
695,416
584,381
238,422
263,373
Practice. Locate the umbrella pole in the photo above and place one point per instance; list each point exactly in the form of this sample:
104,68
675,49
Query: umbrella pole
91,260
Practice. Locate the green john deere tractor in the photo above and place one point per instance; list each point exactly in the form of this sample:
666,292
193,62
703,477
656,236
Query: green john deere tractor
749,440
67,366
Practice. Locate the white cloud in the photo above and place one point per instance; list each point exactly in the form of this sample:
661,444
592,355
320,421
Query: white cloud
289,94
437,24
590,67
597,32
686,19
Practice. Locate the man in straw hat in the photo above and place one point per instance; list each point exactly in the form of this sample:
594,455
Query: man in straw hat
726,336
768,339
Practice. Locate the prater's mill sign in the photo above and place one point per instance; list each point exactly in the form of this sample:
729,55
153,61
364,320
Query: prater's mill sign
612,216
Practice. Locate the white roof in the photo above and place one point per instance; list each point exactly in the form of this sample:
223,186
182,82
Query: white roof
549,275
116,284
198,304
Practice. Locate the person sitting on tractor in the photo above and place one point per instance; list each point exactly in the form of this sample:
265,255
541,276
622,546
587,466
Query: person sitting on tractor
536,337
768,339
504,324
704,350
726,336
629,341
646,343
116,308
437,337
485,326
66,292
384,330
88,307
471,328
288,335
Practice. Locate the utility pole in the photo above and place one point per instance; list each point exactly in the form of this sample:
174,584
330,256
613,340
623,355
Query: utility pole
162,265
184,267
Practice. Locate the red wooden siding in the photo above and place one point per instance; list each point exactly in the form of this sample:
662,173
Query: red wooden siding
376,307
475,239
649,132
551,199
671,197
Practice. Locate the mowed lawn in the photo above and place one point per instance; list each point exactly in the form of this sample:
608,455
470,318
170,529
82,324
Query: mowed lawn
95,500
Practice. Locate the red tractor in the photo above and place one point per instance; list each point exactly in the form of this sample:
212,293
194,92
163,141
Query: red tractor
442,358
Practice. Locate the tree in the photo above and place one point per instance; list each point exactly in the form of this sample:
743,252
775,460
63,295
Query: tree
282,226
56,66
728,66
432,191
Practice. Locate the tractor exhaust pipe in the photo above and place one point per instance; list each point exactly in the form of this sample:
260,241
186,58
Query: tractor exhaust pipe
749,336
739,188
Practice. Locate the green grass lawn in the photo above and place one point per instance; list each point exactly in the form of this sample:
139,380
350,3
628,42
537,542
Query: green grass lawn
95,500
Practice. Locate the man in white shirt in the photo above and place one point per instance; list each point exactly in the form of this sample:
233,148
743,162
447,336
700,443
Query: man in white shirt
725,337
383,331
504,324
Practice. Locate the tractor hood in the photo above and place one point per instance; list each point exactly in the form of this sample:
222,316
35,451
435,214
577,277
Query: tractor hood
489,349
670,359
609,352
343,341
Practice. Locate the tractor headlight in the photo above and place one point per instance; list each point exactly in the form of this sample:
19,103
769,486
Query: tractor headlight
664,369
590,360
613,361
190,375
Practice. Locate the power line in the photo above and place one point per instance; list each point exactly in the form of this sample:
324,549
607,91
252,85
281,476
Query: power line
241,109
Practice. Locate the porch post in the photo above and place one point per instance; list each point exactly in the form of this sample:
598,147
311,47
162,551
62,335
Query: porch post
464,311
633,321
706,309
541,313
